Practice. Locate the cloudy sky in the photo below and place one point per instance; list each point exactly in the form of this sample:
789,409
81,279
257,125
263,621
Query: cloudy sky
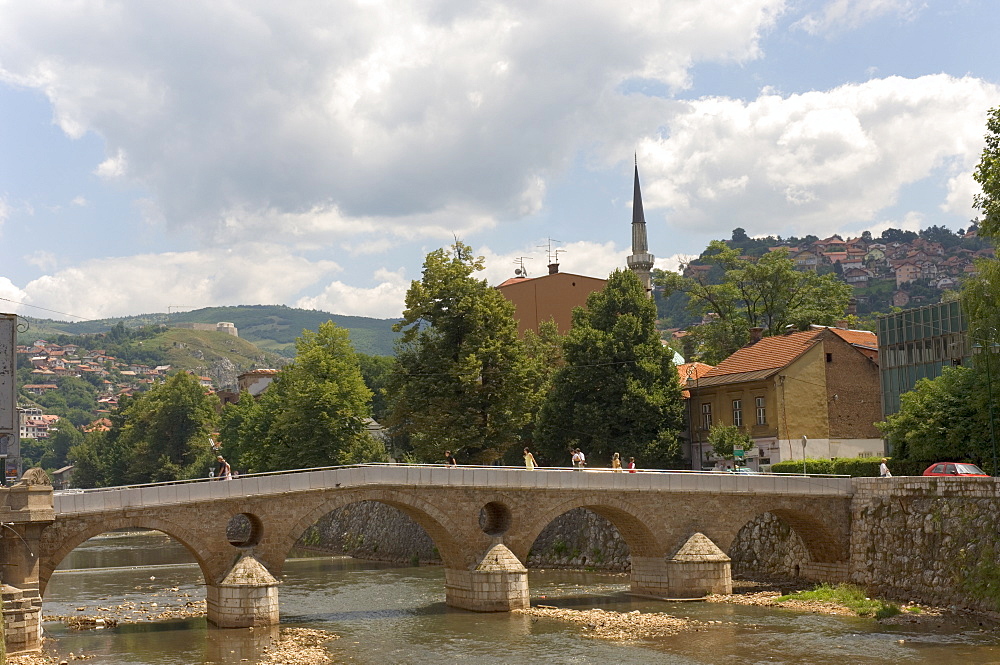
159,155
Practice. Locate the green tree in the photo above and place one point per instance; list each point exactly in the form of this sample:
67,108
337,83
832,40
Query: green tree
619,390
943,419
767,292
376,370
461,375
725,439
313,414
544,353
161,435
988,176
63,438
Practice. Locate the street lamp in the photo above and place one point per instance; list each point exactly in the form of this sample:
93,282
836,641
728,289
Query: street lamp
989,392
805,440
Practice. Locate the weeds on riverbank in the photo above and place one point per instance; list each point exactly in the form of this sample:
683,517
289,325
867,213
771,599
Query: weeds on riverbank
850,596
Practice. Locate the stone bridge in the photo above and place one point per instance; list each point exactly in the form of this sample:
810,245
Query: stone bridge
483,522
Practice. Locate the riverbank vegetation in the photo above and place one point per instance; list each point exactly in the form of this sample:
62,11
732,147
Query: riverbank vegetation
848,596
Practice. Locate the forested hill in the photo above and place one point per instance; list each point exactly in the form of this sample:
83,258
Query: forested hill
271,327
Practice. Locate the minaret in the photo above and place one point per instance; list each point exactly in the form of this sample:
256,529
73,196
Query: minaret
640,261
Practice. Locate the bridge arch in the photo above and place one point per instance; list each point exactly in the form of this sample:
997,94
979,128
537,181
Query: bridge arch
818,531
439,525
56,547
641,539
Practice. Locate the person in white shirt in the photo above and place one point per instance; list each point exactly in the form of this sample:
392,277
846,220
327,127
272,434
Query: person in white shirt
883,469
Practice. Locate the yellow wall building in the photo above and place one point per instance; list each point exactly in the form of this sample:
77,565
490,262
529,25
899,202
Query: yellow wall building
822,383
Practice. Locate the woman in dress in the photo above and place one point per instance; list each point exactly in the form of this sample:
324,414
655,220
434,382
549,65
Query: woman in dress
616,463
529,460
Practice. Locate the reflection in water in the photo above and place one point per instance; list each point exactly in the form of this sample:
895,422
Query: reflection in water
388,614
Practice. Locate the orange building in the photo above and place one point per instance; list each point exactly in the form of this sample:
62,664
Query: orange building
552,296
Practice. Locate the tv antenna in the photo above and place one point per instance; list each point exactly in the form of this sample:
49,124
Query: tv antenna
553,253
521,270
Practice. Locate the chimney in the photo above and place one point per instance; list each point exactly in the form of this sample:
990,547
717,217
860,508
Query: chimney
755,334
553,268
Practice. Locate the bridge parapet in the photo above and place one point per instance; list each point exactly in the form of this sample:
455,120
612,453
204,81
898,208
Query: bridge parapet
440,476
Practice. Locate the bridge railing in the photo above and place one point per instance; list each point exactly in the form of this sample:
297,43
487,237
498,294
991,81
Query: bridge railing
412,475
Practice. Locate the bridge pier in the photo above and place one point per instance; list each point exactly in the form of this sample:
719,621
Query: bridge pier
248,596
698,568
498,583
25,511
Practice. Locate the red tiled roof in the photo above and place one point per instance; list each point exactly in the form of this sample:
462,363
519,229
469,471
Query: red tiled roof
857,337
770,353
512,280
691,370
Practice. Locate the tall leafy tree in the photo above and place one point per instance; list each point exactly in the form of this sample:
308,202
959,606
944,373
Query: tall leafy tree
767,292
946,418
619,390
461,376
158,436
313,414
988,176
376,370
544,353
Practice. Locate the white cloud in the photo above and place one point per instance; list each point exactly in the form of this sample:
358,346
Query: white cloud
814,162
582,258
384,300
42,259
11,297
841,15
80,201
250,274
4,210
382,109
112,167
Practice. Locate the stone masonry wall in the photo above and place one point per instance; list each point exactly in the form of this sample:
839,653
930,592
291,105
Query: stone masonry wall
935,540
767,546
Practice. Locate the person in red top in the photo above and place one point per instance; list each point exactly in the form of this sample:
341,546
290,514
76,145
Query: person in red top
631,465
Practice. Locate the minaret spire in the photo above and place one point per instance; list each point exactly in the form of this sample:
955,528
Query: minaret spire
640,261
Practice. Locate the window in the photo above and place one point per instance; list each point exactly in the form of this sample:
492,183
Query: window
706,415
761,413
738,412
829,357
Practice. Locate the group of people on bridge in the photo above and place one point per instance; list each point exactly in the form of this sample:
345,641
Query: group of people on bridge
578,459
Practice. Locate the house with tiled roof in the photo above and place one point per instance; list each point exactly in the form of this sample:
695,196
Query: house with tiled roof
821,384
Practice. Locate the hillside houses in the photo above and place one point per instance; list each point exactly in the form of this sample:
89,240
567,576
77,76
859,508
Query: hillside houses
863,263
49,361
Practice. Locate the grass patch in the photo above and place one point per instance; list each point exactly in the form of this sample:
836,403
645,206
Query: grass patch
850,596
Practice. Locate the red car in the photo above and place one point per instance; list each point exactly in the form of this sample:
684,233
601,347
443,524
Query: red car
953,469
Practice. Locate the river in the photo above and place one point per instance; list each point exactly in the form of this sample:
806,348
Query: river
390,614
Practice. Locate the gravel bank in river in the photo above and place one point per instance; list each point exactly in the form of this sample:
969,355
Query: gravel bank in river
619,625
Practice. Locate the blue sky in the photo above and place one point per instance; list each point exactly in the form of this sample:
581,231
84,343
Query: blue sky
198,154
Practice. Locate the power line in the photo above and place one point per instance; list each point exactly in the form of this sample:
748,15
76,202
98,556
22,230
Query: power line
46,309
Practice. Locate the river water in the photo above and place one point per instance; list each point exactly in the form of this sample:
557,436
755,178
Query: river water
391,614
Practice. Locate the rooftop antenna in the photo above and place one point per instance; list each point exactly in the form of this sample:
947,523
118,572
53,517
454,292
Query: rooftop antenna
552,253
521,270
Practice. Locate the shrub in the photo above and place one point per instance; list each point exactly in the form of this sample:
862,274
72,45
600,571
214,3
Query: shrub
795,466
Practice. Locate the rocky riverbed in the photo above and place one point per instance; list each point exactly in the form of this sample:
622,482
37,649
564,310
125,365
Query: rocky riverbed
294,646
